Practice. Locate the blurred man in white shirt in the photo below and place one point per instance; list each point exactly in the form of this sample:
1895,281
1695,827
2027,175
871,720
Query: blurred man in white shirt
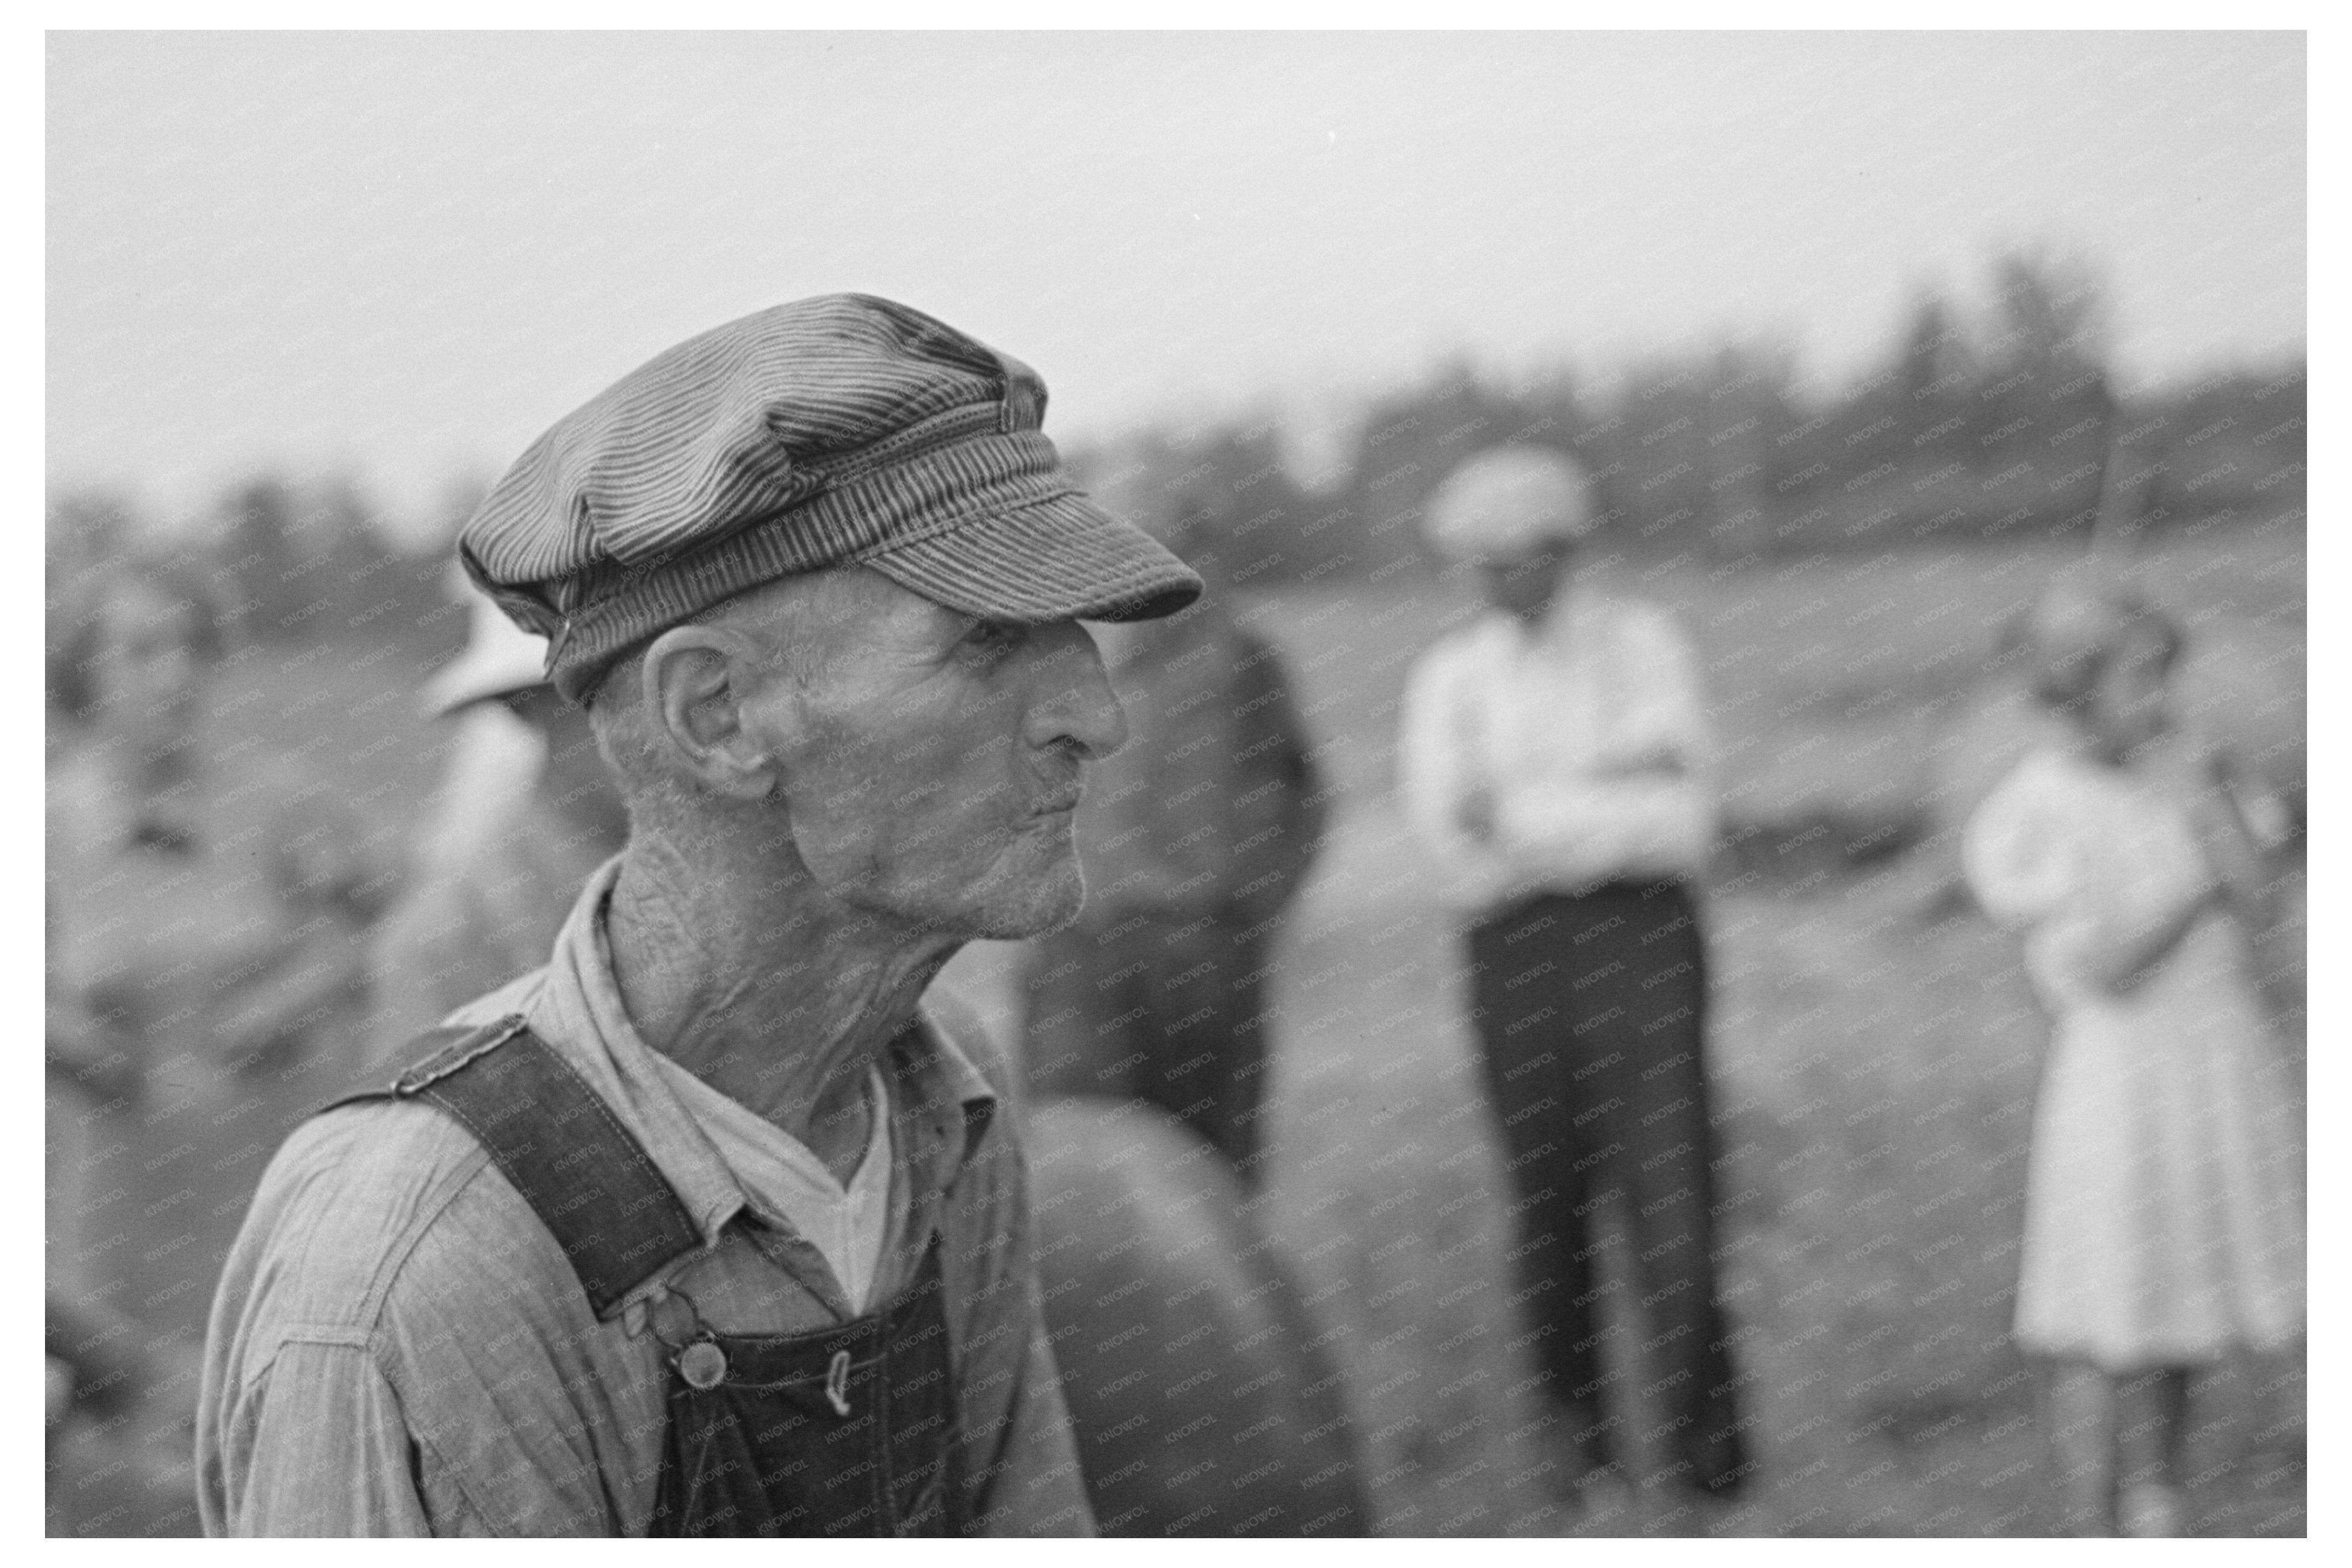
1554,767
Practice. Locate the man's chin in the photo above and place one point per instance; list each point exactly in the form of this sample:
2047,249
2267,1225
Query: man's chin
1023,901
1045,903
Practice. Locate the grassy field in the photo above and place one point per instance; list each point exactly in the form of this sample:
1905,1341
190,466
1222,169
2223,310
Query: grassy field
1875,1076
1874,1050
1875,1054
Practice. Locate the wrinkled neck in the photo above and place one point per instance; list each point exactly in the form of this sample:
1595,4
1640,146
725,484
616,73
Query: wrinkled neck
765,986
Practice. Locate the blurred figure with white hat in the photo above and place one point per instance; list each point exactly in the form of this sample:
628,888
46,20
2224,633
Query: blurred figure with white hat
524,814
1554,766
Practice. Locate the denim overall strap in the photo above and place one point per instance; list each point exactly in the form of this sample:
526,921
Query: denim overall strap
591,1183
849,1430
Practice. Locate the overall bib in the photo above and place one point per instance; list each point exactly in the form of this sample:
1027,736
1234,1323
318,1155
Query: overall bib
849,1430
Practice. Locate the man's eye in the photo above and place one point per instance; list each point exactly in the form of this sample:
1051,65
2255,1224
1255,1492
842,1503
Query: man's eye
994,637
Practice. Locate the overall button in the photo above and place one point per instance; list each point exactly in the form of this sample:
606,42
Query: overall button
702,1364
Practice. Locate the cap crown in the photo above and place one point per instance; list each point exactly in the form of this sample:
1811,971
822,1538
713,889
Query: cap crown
729,428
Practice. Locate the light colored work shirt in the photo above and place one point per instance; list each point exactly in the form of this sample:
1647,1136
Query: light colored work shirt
1557,758
789,1187
398,1346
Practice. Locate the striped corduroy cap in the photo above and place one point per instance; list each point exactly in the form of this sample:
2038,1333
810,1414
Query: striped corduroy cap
827,431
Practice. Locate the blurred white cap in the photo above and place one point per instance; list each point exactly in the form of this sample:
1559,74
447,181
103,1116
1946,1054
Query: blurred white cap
1506,503
499,659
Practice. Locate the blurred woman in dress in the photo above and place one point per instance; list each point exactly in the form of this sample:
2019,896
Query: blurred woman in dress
2164,1224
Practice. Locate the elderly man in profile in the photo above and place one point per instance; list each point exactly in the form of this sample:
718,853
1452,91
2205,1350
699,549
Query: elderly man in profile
710,1226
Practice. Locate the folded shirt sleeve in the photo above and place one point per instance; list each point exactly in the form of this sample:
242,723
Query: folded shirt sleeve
1579,833
1648,813
314,1446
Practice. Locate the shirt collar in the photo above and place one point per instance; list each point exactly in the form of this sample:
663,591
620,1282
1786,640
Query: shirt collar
578,1012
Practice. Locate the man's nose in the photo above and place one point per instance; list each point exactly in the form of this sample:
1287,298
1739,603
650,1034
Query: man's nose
1075,702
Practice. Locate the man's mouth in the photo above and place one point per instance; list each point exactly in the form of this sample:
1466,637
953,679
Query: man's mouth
1059,801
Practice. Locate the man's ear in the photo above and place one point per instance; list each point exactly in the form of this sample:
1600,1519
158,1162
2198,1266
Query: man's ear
696,680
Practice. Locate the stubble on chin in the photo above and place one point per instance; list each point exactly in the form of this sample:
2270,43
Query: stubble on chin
1070,900
1034,894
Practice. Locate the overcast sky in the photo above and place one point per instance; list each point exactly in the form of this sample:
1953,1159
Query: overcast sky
406,255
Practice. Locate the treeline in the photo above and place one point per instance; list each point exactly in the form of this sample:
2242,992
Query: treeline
277,563
2005,430
2002,428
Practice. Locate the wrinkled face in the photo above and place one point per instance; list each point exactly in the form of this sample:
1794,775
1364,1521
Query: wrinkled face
149,677
1524,585
932,762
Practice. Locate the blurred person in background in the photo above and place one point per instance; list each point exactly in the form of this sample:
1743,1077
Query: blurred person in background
1202,1401
203,965
115,1421
1554,764
525,814
2164,1217
1195,837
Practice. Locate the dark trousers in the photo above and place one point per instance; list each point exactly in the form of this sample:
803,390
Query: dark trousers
1163,1008
1592,1010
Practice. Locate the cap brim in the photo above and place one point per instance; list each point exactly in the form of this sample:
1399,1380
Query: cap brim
1059,560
